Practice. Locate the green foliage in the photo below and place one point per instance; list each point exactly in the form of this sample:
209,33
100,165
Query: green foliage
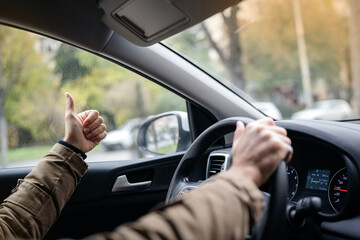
29,84
173,103
68,63
270,44
116,92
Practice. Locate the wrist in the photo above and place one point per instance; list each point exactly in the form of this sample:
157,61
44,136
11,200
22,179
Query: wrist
73,148
252,173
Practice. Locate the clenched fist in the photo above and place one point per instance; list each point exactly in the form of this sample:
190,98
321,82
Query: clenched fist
258,149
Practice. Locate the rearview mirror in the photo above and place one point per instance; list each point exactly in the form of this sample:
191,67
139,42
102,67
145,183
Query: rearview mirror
165,133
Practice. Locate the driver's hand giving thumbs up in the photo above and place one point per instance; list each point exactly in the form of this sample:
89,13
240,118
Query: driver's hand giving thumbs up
84,130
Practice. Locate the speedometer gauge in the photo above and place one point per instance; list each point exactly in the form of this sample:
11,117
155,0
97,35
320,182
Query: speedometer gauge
338,189
293,181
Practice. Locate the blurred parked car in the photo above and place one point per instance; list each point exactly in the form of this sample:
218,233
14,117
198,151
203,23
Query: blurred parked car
124,137
269,109
335,109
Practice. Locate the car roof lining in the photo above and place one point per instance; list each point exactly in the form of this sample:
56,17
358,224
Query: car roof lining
79,27
147,22
90,24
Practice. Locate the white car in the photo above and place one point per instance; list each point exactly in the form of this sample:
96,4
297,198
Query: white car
123,137
335,109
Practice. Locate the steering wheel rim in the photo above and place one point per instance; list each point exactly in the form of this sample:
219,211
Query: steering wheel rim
272,224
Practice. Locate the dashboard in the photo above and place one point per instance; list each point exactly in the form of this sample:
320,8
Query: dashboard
317,169
325,166
320,167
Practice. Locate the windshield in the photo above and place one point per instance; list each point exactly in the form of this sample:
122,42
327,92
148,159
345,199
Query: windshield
288,55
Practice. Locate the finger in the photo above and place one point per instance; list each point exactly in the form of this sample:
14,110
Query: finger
285,139
83,115
70,105
92,116
280,130
90,127
289,153
99,137
266,121
96,131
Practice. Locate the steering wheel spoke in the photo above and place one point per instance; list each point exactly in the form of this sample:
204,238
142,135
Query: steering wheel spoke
187,186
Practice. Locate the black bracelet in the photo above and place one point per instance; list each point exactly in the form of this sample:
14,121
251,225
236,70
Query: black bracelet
72,147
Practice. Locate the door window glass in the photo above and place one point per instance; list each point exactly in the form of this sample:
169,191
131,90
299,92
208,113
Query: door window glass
35,72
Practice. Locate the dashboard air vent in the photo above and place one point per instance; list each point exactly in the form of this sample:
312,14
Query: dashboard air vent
217,162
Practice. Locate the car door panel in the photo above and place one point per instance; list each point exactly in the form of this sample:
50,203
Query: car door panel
94,207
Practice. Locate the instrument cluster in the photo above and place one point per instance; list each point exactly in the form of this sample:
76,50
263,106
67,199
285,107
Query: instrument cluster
317,169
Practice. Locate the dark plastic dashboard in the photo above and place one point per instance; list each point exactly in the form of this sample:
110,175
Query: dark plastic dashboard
325,164
326,160
315,169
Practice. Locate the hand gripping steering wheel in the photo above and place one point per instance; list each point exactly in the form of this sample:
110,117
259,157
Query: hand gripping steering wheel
272,225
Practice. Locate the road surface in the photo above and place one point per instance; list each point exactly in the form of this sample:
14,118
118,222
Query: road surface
97,156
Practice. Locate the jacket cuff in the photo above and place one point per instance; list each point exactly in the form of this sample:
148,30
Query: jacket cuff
255,199
74,159
72,147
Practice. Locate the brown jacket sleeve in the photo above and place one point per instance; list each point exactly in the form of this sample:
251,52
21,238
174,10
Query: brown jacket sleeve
37,200
220,209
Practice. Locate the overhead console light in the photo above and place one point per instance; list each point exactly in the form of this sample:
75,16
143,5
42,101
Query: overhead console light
145,22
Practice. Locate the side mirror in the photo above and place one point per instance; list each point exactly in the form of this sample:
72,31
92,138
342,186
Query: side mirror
165,133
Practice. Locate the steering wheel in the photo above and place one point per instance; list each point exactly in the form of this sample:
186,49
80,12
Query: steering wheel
272,224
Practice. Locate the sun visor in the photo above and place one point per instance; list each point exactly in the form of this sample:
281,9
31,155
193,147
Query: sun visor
145,22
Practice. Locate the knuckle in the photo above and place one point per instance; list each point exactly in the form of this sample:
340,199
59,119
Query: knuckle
278,144
270,121
275,143
103,127
258,129
250,126
68,116
94,113
266,135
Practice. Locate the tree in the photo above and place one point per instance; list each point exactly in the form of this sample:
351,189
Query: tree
303,56
3,124
68,64
24,76
13,61
355,52
10,66
231,55
270,45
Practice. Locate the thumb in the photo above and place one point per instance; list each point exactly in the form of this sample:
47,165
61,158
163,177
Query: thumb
70,106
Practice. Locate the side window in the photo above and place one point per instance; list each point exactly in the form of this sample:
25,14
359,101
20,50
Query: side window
35,72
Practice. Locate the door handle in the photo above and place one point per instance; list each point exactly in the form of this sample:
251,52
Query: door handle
122,185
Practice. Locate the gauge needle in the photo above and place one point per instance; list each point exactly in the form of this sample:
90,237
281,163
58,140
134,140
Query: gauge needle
342,190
